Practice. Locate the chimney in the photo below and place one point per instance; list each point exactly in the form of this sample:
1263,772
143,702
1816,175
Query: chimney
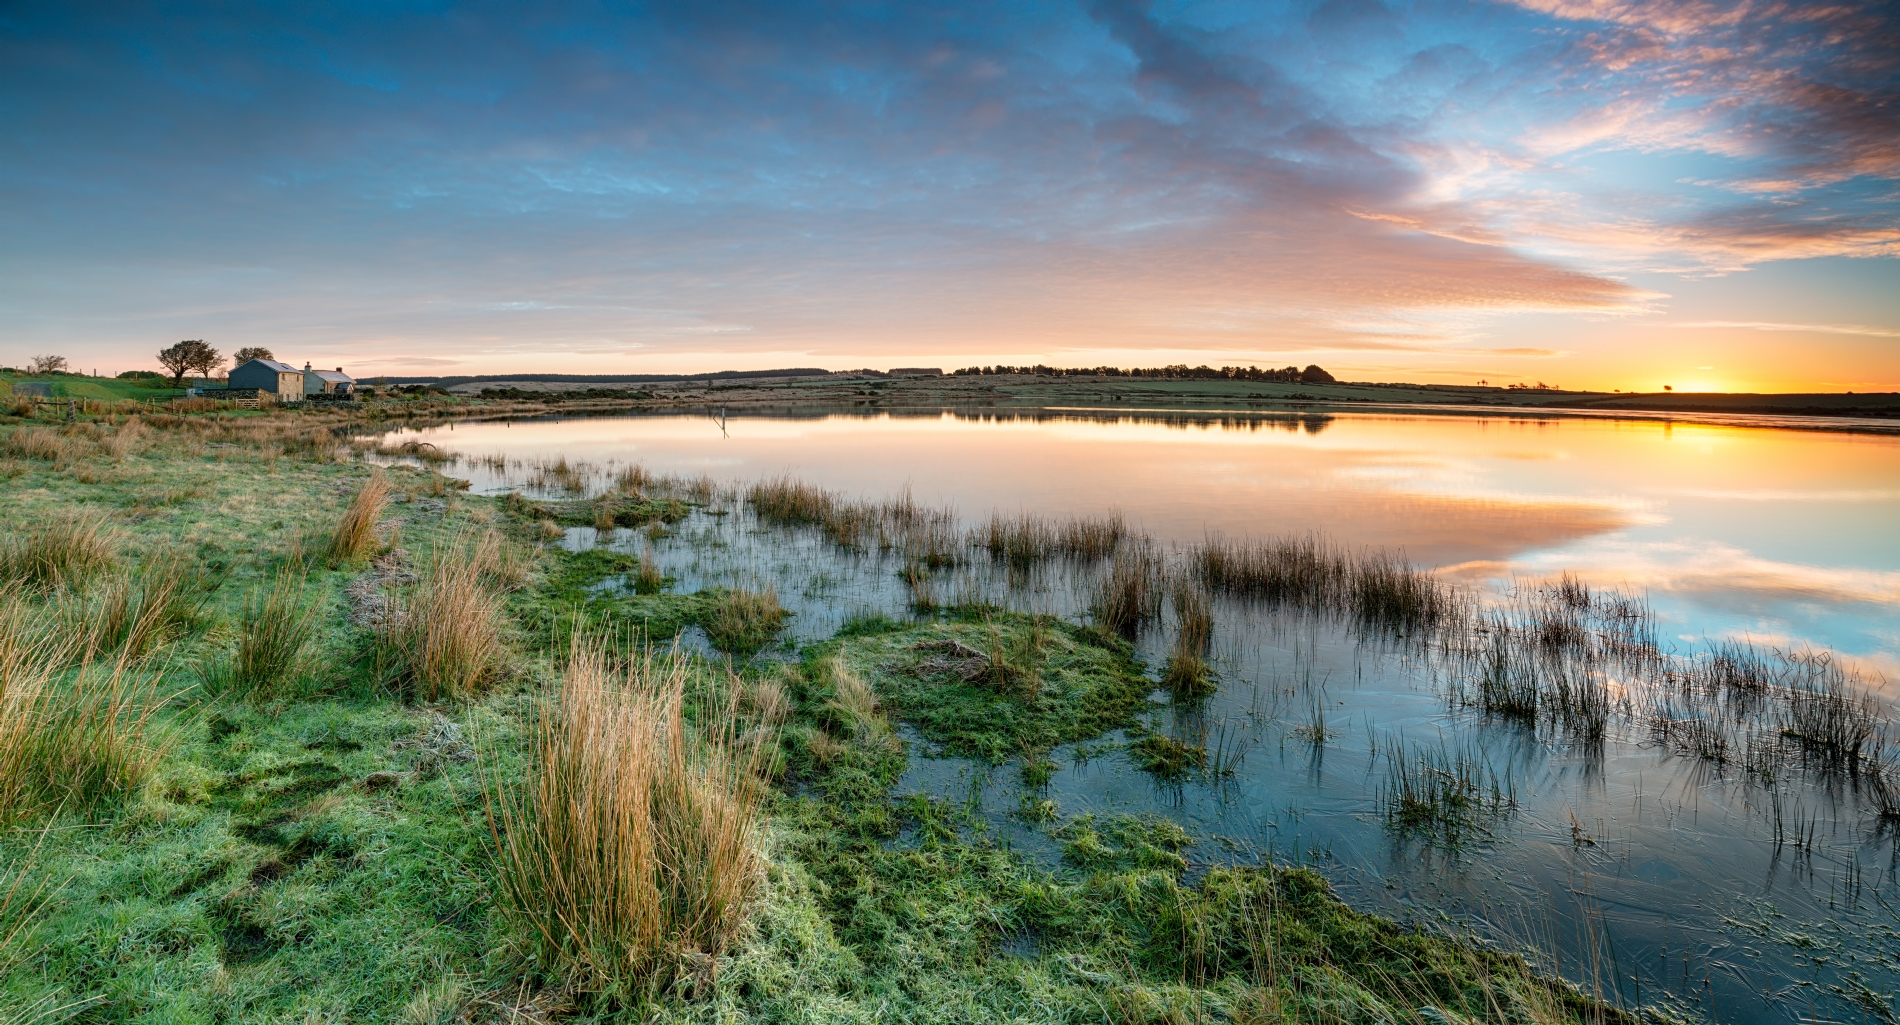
339,370
306,367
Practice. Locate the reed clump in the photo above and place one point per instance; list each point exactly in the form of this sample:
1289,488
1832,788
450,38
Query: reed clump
449,636
276,628
628,852
355,534
136,613
1377,589
742,621
76,741
60,551
1130,591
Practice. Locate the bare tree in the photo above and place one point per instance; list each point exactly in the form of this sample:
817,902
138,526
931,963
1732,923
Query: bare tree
249,353
188,355
47,364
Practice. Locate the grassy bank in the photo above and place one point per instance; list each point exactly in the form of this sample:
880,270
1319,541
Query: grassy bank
311,741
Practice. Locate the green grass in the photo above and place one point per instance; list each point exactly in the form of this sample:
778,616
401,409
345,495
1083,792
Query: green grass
1084,690
322,853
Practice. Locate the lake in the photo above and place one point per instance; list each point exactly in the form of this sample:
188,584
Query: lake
1749,882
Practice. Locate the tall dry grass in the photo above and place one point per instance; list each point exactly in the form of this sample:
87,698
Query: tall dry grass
77,741
276,628
355,534
628,851
60,551
449,636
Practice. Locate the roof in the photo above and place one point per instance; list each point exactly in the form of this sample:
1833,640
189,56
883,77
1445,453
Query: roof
272,364
336,376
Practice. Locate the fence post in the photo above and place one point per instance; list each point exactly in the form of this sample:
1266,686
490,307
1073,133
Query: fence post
71,409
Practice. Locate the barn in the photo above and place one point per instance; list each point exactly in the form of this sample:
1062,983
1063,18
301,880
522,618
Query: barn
273,380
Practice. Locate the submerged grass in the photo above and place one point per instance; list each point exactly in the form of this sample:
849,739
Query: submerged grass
1445,796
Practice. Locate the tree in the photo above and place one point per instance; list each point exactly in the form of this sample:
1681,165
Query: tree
188,355
249,353
48,364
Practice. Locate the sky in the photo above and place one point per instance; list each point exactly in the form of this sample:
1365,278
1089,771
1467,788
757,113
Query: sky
1588,193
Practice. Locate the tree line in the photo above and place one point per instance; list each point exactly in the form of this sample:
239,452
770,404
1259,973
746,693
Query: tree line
193,354
1179,371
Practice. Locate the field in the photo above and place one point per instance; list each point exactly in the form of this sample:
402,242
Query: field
291,737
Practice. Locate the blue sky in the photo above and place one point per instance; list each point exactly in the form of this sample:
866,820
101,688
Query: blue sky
1588,192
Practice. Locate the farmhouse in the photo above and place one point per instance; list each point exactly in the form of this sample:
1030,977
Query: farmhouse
273,381
330,384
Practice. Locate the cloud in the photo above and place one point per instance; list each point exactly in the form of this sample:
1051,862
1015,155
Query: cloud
1114,174
1825,329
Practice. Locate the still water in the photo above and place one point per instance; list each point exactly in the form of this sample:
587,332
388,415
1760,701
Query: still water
1653,877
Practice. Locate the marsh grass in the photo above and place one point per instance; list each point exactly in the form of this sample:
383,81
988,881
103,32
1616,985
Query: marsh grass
355,534
1186,674
742,621
448,640
1445,796
58,551
649,579
25,896
1129,595
628,852
79,740
1377,589
137,613
275,629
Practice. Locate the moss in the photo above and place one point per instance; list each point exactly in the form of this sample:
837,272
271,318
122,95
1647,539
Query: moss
1082,690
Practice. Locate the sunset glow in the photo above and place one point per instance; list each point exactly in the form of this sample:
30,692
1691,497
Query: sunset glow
1586,192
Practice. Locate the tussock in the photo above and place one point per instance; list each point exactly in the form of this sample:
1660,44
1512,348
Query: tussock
742,621
137,613
1130,592
629,853
355,534
78,741
449,637
277,626
61,551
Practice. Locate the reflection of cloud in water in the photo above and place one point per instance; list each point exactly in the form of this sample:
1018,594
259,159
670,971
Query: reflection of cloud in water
1767,602
1717,575
1445,530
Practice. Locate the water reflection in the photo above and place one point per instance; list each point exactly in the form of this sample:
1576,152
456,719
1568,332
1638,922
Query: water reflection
1771,534
1639,867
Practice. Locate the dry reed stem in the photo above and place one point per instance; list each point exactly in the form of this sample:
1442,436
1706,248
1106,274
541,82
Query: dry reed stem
355,533
629,850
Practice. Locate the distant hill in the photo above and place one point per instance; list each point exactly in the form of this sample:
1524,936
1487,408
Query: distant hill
600,379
